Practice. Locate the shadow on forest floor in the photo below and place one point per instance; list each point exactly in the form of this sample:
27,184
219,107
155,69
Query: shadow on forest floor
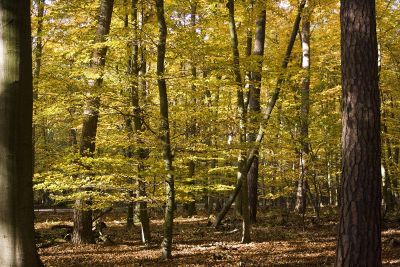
196,244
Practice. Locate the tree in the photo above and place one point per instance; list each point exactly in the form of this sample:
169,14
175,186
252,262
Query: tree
82,213
17,242
166,245
141,153
252,152
359,236
255,110
301,197
241,169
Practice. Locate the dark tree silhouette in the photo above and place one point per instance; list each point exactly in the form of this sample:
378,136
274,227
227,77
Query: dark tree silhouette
359,237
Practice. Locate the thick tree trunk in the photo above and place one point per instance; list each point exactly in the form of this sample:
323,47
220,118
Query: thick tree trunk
17,241
255,111
359,235
301,197
166,245
82,216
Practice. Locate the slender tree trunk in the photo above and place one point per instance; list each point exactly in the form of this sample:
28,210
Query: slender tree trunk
17,241
387,188
82,232
130,211
301,197
37,51
242,170
141,153
255,111
39,46
191,206
166,245
359,235
270,106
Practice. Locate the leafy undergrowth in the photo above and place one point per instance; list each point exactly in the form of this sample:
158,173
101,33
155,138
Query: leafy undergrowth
277,241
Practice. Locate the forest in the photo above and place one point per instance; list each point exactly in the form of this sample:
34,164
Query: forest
199,133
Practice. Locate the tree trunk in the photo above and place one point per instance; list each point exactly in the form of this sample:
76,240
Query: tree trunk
386,171
255,111
359,235
301,197
140,153
17,241
251,155
166,245
39,46
242,170
83,216
190,207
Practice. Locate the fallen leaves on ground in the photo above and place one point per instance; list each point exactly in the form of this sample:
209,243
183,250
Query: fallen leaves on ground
198,244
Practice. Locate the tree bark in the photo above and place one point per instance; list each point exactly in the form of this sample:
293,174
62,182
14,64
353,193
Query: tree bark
359,235
190,207
82,232
166,245
242,171
301,197
140,153
39,46
386,171
255,111
17,241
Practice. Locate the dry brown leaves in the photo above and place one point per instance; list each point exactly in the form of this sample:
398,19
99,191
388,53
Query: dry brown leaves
196,244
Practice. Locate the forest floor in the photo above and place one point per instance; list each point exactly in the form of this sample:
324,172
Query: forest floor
277,241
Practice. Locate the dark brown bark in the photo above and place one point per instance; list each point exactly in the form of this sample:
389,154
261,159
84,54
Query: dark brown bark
166,245
255,111
359,235
301,196
17,241
83,217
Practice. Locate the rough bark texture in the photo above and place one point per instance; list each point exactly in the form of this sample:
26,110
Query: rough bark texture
17,242
166,245
301,197
359,235
255,111
83,229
